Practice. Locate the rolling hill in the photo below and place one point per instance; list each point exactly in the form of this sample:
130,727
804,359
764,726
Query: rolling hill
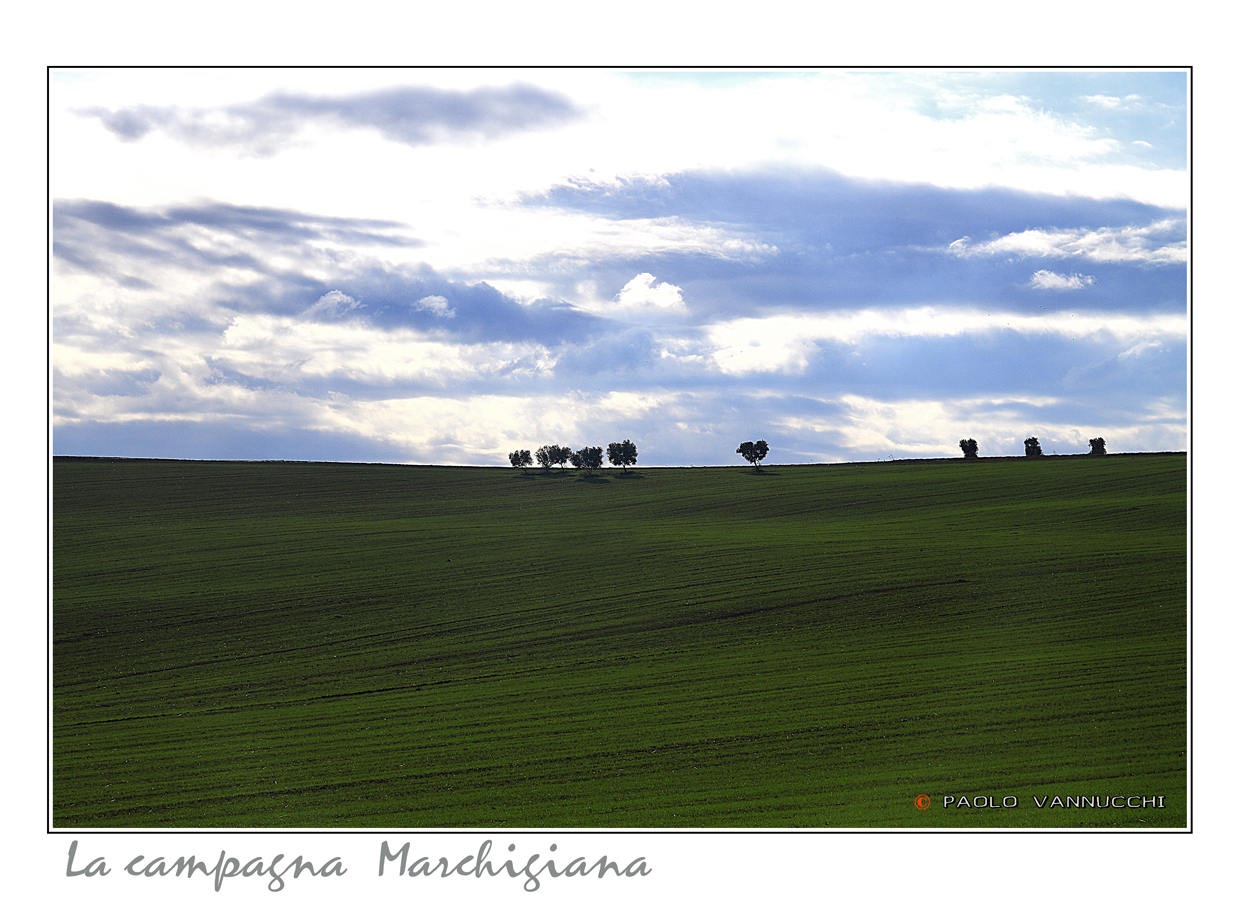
297,645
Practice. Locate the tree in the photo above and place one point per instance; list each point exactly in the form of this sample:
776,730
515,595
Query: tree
1097,447
549,455
520,459
753,452
622,454
588,458
1032,447
969,446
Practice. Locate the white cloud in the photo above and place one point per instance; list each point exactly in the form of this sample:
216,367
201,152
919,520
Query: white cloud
1048,280
870,428
512,232
786,342
469,430
1107,101
643,292
1104,100
1141,349
878,429
437,305
277,350
1142,244
332,305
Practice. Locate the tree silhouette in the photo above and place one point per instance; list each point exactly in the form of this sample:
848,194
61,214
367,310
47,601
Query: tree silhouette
520,459
588,458
622,454
1032,447
969,446
549,455
1097,447
753,452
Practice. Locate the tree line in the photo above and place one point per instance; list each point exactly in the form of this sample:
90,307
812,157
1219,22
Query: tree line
1097,447
619,453
589,459
624,454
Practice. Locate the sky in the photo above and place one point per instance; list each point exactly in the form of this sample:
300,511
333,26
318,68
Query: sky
439,266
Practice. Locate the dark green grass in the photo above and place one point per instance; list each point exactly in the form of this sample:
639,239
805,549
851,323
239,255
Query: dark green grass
326,645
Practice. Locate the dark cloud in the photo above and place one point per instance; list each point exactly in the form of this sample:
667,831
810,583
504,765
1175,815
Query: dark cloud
846,243
120,242
1100,368
406,115
1153,369
129,245
813,207
631,351
74,389
260,224
122,383
394,297
217,439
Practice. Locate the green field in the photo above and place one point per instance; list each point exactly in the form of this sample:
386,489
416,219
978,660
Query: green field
297,645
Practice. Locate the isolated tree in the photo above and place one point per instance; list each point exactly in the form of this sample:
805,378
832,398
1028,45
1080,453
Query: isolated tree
753,452
1032,447
969,446
520,459
622,454
588,458
1097,447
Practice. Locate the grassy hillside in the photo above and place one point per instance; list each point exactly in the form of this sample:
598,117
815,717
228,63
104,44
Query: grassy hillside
329,645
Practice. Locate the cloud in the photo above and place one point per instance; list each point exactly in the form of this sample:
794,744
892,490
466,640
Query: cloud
413,116
1048,280
332,305
644,293
788,343
407,296
1107,101
248,221
221,241
209,262
628,353
838,243
1163,242
712,285
123,382
437,306
868,428
1103,100
780,211
315,357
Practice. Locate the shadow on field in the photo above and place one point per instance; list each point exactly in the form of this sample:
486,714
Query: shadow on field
567,476
594,479
607,479
581,476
